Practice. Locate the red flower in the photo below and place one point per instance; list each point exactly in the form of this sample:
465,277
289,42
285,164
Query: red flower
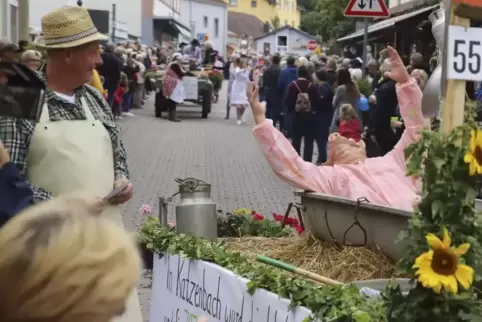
277,217
258,217
299,229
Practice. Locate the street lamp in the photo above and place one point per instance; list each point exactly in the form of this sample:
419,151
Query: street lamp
79,3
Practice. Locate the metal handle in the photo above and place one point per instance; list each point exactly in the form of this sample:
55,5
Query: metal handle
163,212
191,183
356,222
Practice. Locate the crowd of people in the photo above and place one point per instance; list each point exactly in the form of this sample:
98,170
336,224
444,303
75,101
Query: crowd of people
318,99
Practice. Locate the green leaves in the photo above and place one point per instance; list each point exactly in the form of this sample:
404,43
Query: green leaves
447,201
327,303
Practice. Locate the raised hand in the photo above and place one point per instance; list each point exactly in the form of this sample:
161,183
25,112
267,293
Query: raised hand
399,72
257,108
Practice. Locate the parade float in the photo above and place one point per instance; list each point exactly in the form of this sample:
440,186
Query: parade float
199,91
243,267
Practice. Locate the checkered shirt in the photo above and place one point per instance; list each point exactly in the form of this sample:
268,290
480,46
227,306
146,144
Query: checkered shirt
16,134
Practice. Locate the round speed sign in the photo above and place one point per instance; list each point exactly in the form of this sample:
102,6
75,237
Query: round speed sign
311,45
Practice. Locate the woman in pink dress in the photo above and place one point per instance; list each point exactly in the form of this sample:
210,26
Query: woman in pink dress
382,180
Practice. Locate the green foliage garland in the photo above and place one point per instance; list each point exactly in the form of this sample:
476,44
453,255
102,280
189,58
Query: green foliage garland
327,303
447,201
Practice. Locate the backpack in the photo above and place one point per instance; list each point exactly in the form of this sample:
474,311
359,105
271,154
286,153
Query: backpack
303,103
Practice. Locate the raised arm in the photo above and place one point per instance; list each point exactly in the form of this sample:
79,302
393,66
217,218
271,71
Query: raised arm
282,157
410,102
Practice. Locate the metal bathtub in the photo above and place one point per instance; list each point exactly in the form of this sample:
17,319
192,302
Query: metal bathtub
356,223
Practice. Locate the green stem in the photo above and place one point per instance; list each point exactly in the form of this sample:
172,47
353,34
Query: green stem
276,263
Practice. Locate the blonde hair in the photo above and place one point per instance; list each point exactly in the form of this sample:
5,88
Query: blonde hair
347,112
60,262
422,79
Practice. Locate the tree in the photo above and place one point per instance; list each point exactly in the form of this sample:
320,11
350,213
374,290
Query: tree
326,18
275,22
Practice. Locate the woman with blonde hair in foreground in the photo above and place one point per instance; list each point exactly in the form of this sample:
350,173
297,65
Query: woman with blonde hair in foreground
60,262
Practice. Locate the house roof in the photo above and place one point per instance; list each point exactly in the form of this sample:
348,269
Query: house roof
282,28
242,23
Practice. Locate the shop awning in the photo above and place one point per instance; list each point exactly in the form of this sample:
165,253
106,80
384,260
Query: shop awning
387,23
184,33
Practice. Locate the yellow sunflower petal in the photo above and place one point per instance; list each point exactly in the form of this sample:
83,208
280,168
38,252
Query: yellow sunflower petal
446,240
471,169
450,284
468,157
423,260
478,168
429,280
435,242
437,288
461,249
478,140
465,275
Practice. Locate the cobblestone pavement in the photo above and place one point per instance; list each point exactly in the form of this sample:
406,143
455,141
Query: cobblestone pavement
216,150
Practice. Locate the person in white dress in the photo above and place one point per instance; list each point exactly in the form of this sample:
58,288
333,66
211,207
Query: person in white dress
239,98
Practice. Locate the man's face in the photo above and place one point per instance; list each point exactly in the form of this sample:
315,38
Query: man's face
372,70
82,60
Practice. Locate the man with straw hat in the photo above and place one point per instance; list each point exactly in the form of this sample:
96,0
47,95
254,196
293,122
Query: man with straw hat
75,144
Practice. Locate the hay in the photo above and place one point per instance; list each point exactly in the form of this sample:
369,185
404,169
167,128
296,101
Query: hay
345,264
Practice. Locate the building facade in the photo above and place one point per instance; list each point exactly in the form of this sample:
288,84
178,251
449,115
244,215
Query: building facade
283,40
207,19
9,17
285,11
127,12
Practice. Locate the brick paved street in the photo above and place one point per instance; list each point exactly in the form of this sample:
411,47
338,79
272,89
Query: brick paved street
215,150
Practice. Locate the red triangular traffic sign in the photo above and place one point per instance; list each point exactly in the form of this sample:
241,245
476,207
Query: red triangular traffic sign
367,8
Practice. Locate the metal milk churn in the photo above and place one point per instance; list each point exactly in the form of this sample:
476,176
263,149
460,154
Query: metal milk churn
196,213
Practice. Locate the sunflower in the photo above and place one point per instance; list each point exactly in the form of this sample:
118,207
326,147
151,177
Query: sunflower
440,266
474,155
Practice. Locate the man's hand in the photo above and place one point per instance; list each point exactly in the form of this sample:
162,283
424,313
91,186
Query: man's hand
257,108
124,196
396,124
4,157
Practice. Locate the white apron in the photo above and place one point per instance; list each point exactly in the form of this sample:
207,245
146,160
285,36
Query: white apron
69,156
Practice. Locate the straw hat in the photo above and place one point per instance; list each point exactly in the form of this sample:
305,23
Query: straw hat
68,27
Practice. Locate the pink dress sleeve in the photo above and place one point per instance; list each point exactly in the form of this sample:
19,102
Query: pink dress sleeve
410,102
288,165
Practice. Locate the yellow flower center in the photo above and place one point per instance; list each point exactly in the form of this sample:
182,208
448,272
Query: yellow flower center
444,262
478,154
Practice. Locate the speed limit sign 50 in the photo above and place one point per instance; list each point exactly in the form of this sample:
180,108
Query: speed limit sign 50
464,56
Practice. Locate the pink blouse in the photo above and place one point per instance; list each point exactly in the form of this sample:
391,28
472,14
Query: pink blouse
381,180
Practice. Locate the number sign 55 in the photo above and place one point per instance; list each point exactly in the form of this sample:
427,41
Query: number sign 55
464,56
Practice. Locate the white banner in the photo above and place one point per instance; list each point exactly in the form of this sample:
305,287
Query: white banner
184,290
190,87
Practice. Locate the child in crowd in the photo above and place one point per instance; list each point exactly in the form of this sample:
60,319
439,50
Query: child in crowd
346,146
119,96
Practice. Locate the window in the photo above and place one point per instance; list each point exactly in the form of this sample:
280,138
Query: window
254,3
293,23
286,22
233,2
216,27
286,5
293,5
282,41
278,4
205,23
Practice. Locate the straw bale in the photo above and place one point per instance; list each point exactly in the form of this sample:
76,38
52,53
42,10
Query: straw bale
345,264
